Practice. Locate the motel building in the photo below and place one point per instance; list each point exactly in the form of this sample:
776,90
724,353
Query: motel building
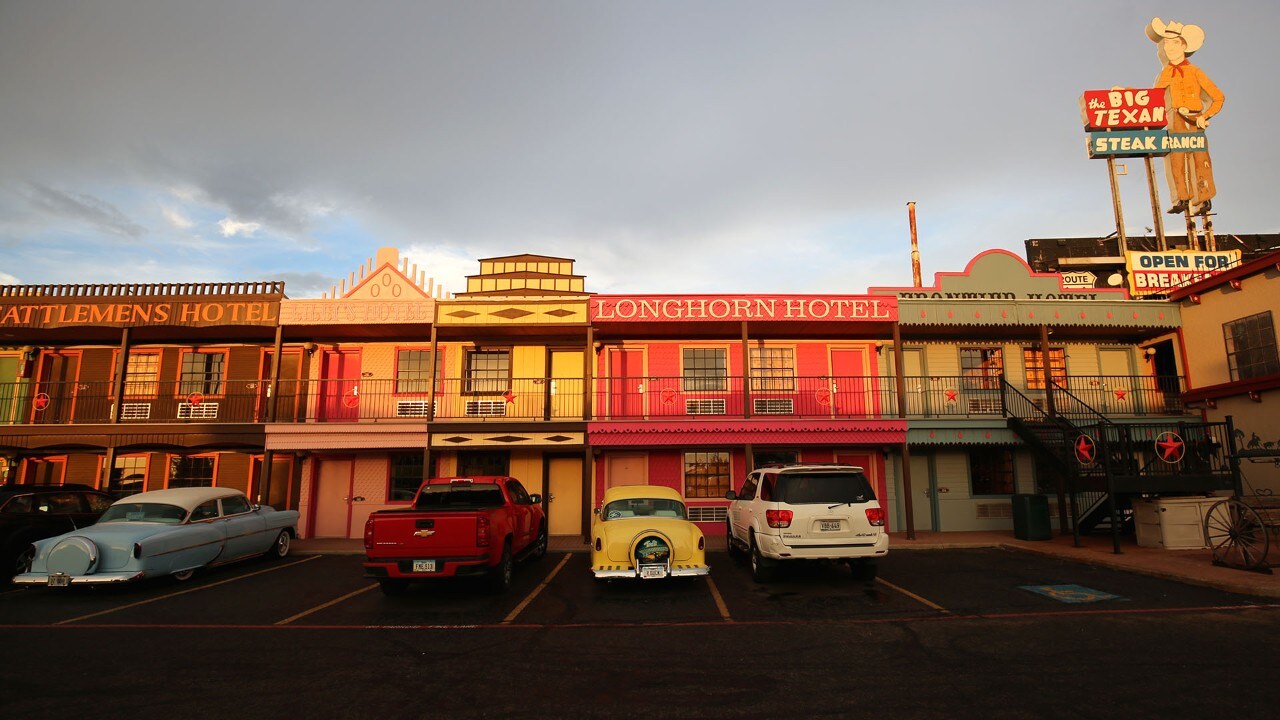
953,397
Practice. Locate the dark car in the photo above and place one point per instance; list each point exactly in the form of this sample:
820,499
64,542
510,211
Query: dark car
34,512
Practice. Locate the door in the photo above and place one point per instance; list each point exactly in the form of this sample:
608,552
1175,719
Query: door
564,496
334,482
287,390
9,390
849,387
340,386
918,400
626,383
564,401
924,485
1116,392
626,470
55,388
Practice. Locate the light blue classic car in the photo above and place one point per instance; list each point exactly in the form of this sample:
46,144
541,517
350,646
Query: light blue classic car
165,532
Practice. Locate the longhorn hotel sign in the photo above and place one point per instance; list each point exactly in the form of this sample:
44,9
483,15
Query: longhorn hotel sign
138,314
755,308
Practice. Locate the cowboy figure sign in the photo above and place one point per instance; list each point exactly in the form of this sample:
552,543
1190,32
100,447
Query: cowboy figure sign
1192,99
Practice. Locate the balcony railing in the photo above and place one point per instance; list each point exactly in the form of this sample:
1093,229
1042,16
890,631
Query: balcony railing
561,399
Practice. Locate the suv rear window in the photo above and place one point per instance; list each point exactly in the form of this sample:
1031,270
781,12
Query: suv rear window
461,496
807,488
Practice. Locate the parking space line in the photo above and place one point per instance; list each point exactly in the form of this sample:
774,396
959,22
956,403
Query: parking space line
715,594
186,592
913,596
335,601
546,581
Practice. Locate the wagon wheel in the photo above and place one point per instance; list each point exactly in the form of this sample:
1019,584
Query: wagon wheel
1236,534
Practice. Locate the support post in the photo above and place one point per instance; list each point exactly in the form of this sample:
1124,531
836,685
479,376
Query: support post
273,390
117,387
1157,219
899,370
264,477
746,372
588,501
1115,204
109,464
588,374
431,406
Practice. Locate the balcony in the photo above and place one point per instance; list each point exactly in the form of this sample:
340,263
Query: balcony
672,398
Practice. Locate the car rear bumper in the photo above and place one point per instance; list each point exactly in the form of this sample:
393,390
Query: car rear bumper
446,567
613,572
772,546
94,579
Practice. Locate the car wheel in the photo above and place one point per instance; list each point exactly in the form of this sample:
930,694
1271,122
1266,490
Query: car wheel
863,569
728,539
762,568
183,575
393,586
540,545
280,548
23,562
500,574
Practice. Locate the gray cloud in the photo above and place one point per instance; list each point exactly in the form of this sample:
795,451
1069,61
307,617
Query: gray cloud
83,208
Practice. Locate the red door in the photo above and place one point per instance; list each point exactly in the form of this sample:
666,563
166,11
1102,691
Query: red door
626,383
55,394
340,386
849,396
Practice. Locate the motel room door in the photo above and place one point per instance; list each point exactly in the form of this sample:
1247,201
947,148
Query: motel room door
626,383
335,479
339,386
850,396
564,495
565,391
55,394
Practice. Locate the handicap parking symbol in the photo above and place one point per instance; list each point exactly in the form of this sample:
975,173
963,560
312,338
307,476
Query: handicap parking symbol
1070,593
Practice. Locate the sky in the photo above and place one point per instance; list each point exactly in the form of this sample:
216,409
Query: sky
667,147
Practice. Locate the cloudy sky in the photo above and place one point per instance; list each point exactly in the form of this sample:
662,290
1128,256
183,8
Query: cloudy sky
706,146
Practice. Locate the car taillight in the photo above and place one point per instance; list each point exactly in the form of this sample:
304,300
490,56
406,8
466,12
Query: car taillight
875,516
368,534
702,543
778,518
137,550
482,531
598,545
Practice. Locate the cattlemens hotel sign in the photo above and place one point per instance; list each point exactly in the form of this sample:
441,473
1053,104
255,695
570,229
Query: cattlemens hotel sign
756,308
137,314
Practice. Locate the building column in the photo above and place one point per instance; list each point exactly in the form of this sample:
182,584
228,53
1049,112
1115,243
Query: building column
900,378
264,476
117,389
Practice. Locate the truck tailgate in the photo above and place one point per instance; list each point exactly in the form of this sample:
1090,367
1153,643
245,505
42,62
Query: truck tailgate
419,534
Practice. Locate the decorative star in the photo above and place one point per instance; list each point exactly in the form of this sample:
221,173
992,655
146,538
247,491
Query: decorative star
509,396
951,395
1086,452
1120,393
1170,447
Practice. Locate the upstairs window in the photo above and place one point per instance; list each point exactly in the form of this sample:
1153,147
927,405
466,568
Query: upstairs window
773,369
705,369
981,367
1251,347
202,372
488,372
413,371
1033,361
142,374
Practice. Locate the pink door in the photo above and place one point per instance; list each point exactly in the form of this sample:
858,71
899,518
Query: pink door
340,386
626,383
849,396
332,498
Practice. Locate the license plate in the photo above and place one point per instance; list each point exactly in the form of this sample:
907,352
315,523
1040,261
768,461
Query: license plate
652,571
828,525
424,565
59,580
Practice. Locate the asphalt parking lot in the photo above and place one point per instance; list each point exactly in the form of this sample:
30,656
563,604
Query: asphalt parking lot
329,591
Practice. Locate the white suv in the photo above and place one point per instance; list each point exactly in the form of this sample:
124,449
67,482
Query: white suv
807,512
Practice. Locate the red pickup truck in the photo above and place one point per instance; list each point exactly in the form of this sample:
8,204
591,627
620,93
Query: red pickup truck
456,527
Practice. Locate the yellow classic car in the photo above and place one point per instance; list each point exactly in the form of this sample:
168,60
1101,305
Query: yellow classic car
642,531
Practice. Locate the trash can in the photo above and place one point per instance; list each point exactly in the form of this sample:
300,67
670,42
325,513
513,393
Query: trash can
1031,517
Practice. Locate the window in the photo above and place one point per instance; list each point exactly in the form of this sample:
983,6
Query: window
235,505
413,371
775,457
705,369
1033,361
773,369
518,494
141,373
406,476
706,474
191,471
205,511
981,367
488,371
201,373
1251,347
128,476
991,471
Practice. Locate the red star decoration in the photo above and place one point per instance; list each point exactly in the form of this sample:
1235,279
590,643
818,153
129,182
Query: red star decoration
1120,393
1085,450
1170,447
509,396
951,395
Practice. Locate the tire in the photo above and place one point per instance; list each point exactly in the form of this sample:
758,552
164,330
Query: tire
728,539
540,545
183,575
280,548
864,570
22,562
393,586
499,578
762,568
